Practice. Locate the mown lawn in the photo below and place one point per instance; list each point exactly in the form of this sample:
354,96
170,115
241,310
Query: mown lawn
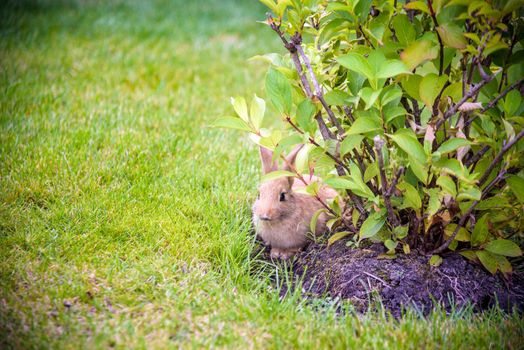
124,220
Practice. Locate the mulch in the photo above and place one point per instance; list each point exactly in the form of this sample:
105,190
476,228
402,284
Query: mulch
359,276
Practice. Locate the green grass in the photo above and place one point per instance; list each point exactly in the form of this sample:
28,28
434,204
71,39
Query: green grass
124,221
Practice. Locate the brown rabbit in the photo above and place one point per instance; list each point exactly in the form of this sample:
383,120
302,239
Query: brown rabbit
282,216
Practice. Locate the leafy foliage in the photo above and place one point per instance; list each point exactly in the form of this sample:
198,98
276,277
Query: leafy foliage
413,111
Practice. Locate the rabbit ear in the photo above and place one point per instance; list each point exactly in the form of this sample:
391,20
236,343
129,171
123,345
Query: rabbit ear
290,158
266,156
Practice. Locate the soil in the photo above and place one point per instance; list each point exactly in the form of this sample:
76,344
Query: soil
359,276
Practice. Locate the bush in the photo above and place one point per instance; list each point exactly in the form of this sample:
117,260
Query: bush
411,110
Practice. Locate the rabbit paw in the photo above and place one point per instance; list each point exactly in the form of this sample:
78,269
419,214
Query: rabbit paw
283,254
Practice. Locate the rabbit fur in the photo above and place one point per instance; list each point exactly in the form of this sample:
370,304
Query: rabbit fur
282,216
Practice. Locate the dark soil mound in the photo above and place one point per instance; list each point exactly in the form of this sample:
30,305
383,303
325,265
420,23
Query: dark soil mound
407,281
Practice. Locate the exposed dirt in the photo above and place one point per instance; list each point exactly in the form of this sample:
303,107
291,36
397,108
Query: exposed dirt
407,281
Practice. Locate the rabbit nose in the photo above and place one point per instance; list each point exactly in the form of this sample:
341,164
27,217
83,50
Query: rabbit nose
265,217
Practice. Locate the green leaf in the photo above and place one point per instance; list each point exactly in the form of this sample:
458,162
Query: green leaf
339,183
392,92
435,260
335,6
302,158
512,103
411,196
271,4
256,112
447,185
349,143
305,111
289,140
372,225
401,232
463,235
430,87
469,193
278,90
469,254
451,166
376,59
434,201
361,9
516,184
364,125
392,68
355,216
412,84
503,247
313,188
511,6
480,233
452,144
492,47
404,30
359,187
334,27
418,53
452,35
391,245
371,171
337,236
510,131
314,219
417,5
276,175
419,169
240,107
357,63
454,91
391,112
231,123
488,261
355,82
369,96
270,139
338,98
493,203
281,7
503,264
407,140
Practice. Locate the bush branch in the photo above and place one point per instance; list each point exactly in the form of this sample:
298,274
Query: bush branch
315,143
341,168
475,158
365,37
391,188
368,147
465,218
324,130
499,156
301,178
450,112
506,58
379,143
294,56
494,102
319,94
441,56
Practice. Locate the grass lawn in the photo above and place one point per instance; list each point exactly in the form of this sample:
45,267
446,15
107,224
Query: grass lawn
124,221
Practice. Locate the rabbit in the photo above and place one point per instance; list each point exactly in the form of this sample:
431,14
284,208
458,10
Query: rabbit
282,216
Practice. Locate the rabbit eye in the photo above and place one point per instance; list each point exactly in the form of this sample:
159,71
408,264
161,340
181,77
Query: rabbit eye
282,196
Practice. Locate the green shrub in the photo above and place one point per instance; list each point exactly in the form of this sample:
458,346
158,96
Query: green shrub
412,110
